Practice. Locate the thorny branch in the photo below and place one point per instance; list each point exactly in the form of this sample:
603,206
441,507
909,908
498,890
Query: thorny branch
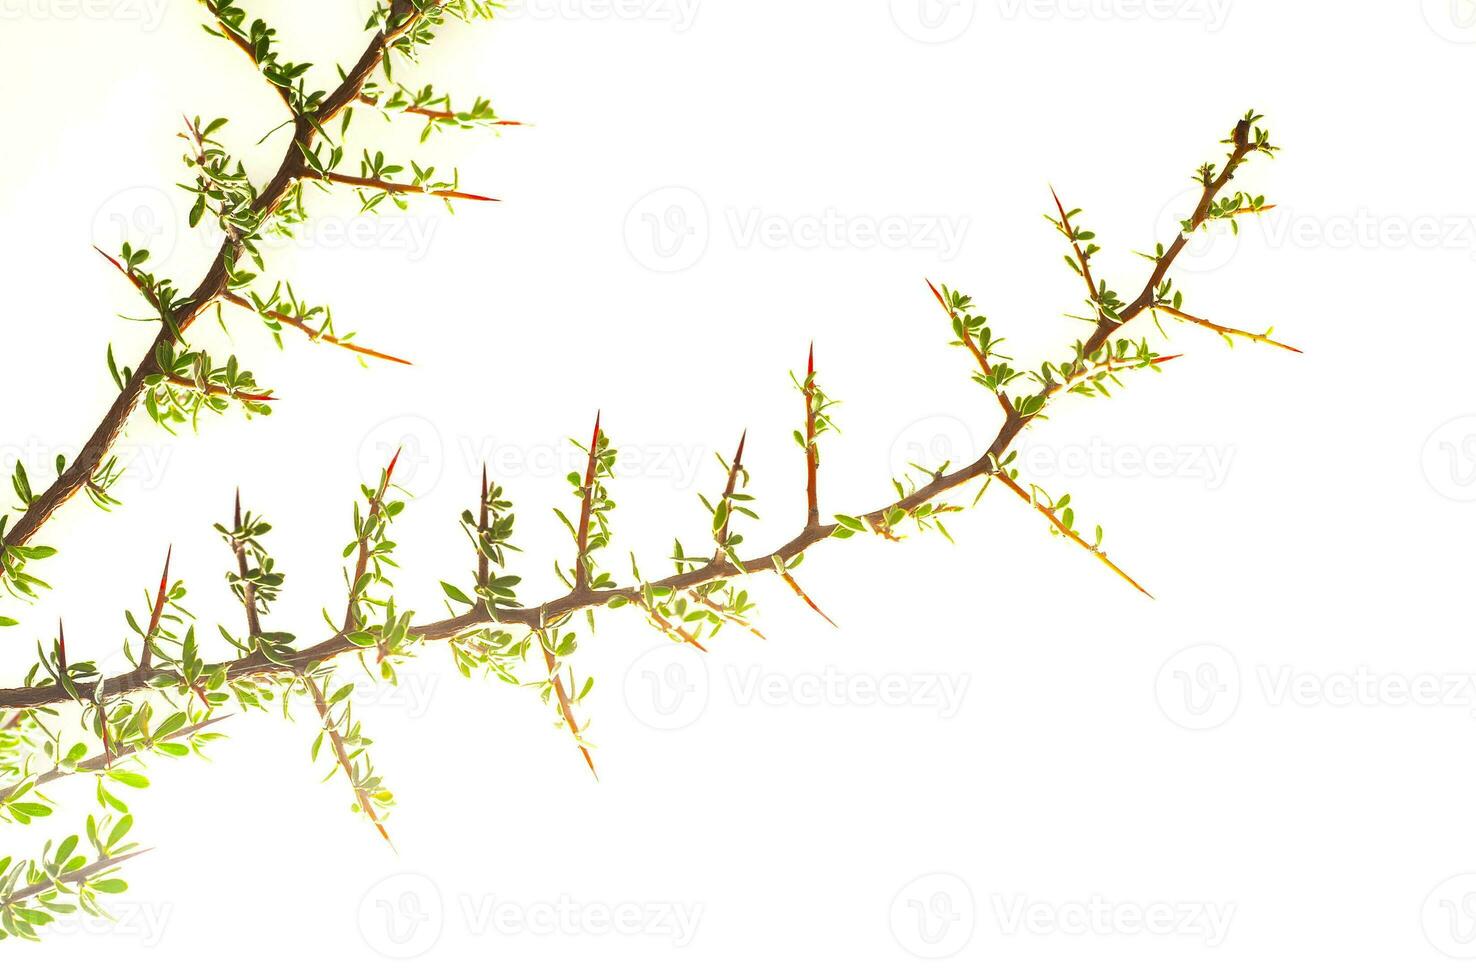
477,635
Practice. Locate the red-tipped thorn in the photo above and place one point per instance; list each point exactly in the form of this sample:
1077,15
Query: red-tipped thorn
938,296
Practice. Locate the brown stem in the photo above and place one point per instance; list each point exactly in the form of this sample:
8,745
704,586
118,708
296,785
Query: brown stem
812,451
340,752
215,389
566,707
248,590
351,618
146,658
586,510
390,187
1258,338
308,329
732,487
81,874
102,761
97,447
718,570
430,113
1083,265
1060,526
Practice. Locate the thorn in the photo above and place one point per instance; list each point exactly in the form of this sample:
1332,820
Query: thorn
595,441
808,601
390,471
738,456
158,608
938,296
61,647
238,508
812,359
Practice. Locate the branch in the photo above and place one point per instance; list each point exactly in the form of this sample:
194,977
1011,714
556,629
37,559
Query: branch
1066,530
345,761
390,187
308,329
1226,332
586,509
812,451
98,446
566,707
72,878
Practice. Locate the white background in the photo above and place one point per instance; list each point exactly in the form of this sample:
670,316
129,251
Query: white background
1304,521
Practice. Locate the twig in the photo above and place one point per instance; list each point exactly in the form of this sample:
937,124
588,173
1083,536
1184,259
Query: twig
586,509
1068,532
566,708
312,333
390,187
79,474
1258,338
